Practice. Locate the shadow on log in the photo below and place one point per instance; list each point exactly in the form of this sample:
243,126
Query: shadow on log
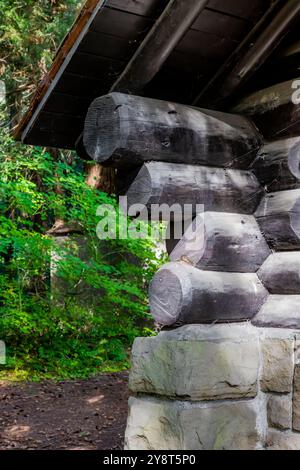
216,189
280,273
279,311
274,111
277,165
180,294
278,216
223,242
124,131
175,232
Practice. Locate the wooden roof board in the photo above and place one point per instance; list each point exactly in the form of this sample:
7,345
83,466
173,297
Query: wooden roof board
251,10
217,23
243,9
100,44
149,8
64,54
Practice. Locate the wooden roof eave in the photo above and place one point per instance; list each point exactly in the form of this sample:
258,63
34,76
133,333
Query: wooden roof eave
64,54
143,65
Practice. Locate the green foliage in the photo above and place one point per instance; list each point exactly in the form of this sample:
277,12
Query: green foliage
30,31
48,330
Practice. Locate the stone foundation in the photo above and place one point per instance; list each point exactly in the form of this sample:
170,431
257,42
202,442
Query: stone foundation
226,386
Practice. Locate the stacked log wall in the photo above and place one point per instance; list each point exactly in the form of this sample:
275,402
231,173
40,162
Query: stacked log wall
275,111
243,194
171,155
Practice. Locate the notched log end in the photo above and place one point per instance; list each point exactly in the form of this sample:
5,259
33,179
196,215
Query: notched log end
101,137
167,294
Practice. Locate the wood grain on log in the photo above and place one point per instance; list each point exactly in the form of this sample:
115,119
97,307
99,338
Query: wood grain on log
223,242
280,273
277,165
217,189
273,110
278,216
279,311
180,293
125,131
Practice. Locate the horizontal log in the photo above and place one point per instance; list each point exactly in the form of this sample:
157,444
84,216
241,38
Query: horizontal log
219,190
124,131
279,311
182,294
278,216
280,273
277,165
275,110
223,242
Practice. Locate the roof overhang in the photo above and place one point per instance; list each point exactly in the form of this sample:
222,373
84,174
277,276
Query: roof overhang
106,37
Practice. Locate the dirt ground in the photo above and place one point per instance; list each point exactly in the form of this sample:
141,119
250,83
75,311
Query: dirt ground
80,414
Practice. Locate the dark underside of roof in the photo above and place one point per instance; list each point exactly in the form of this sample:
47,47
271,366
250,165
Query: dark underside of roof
107,44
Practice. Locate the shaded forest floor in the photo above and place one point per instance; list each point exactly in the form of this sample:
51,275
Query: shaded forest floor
78,414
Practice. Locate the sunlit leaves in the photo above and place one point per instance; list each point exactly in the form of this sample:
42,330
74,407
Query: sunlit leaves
48,332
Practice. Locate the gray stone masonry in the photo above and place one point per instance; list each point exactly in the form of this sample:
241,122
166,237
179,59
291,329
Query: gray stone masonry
222,386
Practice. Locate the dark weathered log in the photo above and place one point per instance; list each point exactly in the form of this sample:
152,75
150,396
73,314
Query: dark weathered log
180,293
275,110
277,165
212,189
223,242
125,131
280,273
166,33
279,311
278,216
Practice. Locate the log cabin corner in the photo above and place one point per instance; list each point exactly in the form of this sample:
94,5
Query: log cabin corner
196,102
